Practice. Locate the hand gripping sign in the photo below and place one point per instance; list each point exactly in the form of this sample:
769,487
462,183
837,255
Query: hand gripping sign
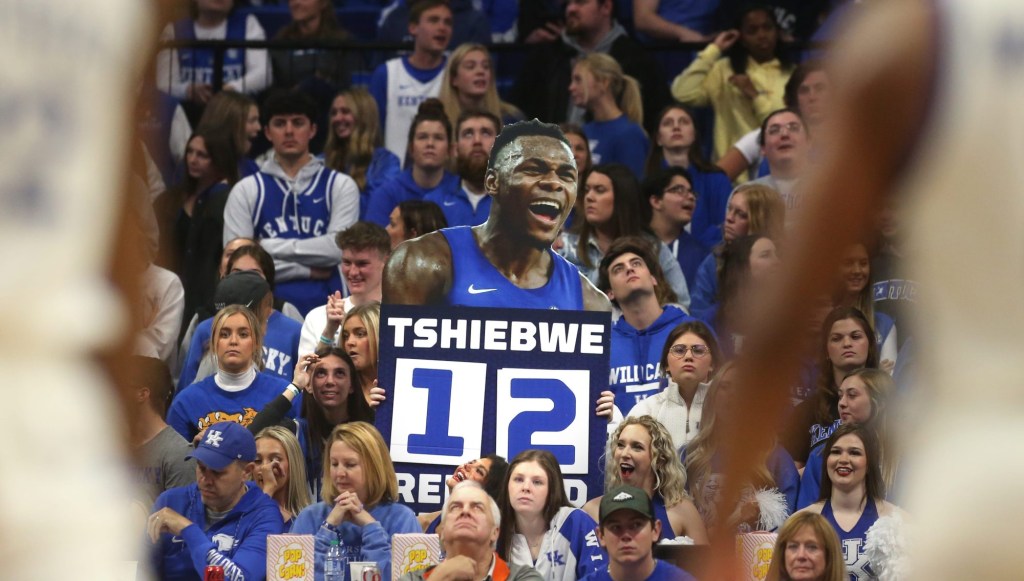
466,382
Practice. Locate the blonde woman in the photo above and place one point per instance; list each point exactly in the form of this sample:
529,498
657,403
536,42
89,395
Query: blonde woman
359,340
752,209
612,101
360,494
281,472
640,454
239,388
469,85
355,144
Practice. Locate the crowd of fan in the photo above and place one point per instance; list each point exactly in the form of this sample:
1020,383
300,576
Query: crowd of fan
274,204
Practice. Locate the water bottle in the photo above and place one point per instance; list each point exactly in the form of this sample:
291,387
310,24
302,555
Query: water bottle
335,562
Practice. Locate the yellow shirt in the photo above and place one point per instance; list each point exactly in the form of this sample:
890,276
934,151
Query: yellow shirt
706,82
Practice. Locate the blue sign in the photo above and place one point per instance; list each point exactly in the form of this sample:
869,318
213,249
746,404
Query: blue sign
466,382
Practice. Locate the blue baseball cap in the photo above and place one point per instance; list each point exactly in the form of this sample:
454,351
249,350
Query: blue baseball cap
224,443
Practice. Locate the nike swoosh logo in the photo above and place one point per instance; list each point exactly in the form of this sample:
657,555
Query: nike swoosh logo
317,200
449,202
476,291
177,540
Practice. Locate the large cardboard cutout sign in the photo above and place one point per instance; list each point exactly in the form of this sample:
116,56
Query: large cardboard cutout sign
466,382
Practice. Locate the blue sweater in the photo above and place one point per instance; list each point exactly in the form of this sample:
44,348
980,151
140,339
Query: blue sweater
403,188
384,167
704,294
458,210
713,191
690,254
238,542
280,348
202,404
369,543
635,358
619,141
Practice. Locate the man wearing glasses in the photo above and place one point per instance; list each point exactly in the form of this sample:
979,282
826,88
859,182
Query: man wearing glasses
785,143
673,202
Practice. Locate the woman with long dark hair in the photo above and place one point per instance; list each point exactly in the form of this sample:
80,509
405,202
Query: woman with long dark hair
191,216
847,343
677,144
537,521
612,208
412,219
333,396
852,495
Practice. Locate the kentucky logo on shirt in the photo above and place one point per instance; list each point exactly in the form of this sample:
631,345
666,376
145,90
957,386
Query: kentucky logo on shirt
223,541
245,418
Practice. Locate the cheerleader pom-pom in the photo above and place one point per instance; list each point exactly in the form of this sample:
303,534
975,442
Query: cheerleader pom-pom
772,505
885,547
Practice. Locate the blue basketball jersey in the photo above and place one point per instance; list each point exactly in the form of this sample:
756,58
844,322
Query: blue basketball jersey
197,64
852,541
281,213
476,283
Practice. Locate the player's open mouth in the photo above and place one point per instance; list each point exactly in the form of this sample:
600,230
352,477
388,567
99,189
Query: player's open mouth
547,209
844,471
626,470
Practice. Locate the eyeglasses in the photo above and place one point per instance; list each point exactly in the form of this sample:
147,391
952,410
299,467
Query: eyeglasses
697,350
791,127
681,190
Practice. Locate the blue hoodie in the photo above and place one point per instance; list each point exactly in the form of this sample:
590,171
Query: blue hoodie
635,357
458,210
403,188
238,542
